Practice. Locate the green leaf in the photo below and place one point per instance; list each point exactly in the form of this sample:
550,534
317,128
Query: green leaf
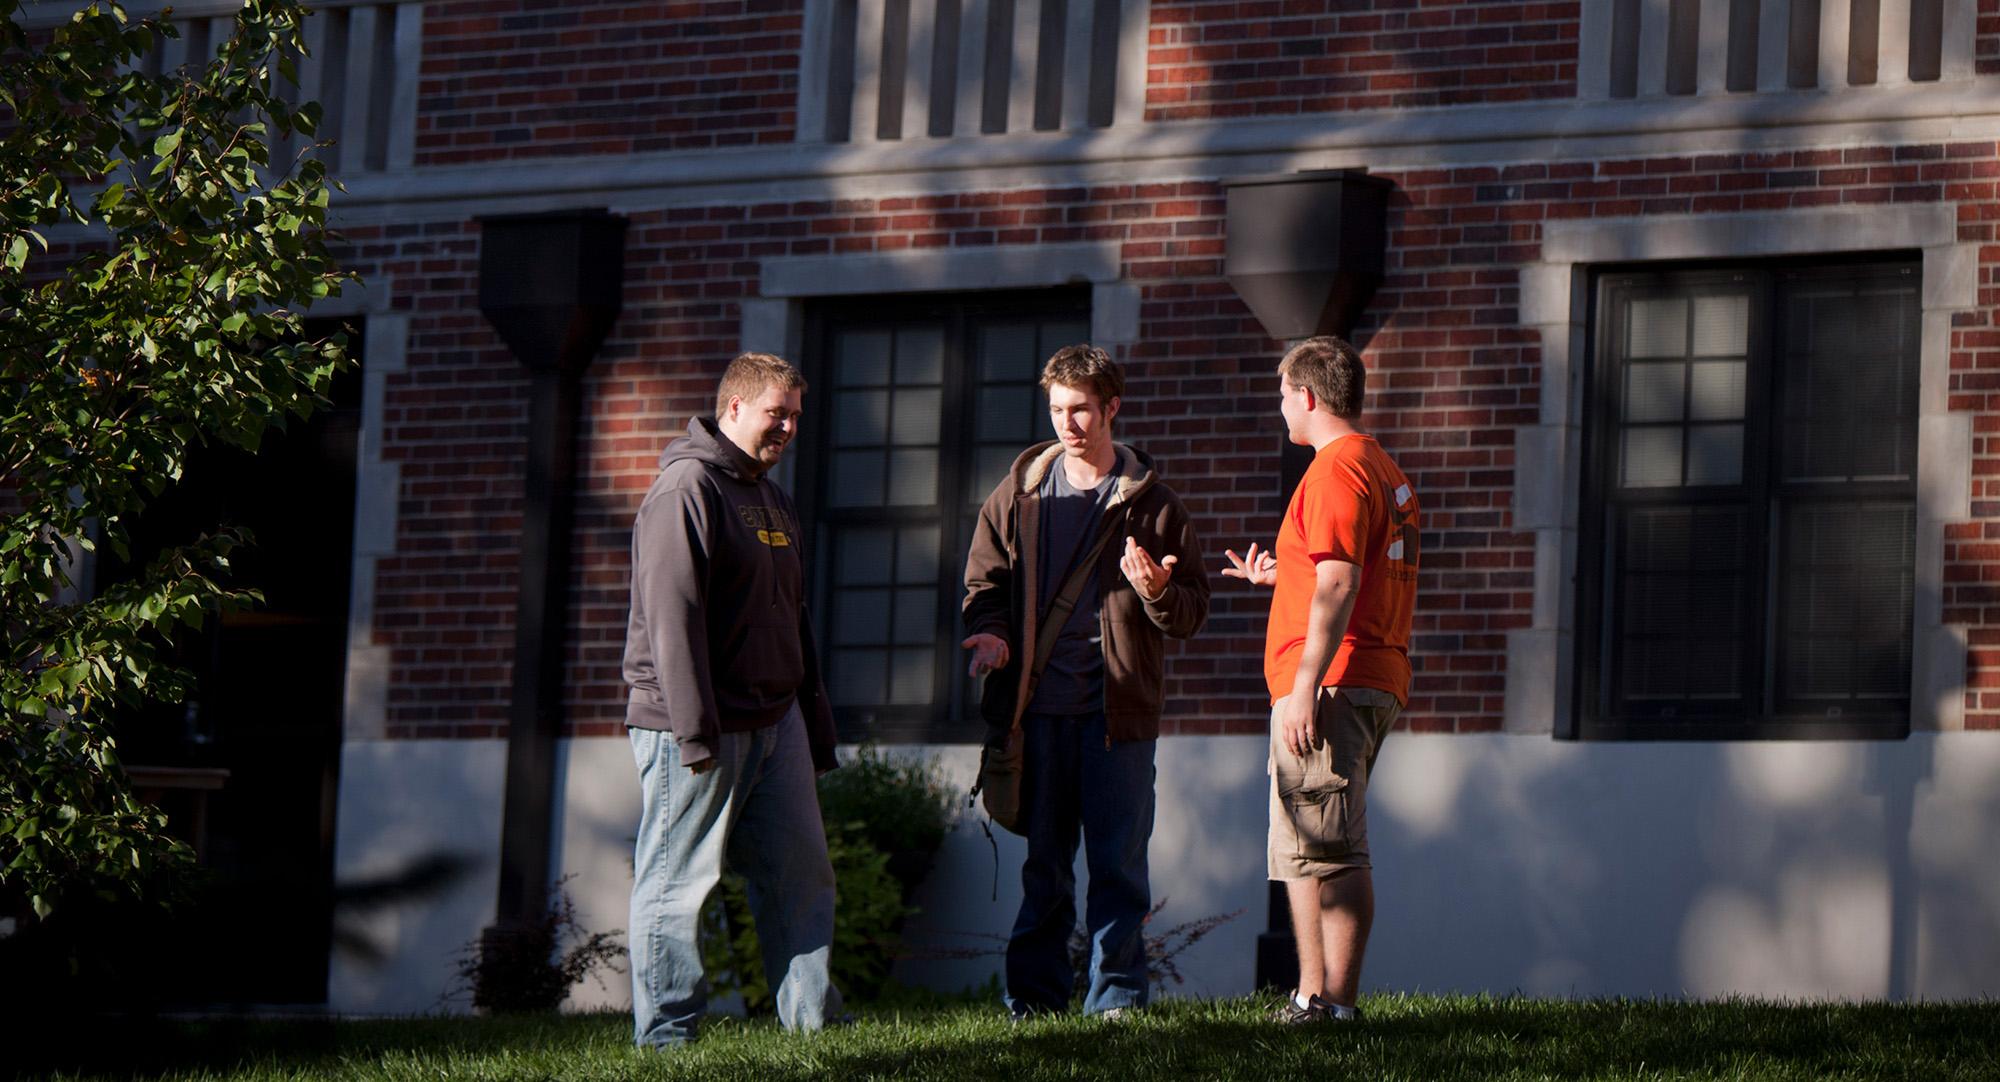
168,143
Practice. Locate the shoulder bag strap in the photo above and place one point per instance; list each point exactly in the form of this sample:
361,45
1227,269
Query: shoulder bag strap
1072,588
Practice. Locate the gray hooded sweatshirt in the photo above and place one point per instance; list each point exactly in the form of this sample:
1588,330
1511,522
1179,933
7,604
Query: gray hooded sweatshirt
719,641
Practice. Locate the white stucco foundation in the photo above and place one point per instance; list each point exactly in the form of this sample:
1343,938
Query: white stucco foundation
1504,862
403,803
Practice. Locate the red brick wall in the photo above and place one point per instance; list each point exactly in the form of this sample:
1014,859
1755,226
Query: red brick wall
454,421
1986,47
509,79
1972,548
1448,400
1272,57
1455,376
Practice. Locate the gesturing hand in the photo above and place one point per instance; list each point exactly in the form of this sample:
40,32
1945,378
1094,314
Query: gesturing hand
989,652
1258,568
1147,577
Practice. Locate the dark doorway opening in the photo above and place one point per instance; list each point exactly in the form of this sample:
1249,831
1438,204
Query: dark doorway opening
247,768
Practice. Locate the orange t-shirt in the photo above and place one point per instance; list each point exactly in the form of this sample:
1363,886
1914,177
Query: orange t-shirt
1353,504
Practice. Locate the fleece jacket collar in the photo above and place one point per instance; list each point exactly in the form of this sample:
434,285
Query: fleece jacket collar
1133,469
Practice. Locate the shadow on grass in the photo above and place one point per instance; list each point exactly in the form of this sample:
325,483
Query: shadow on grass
1405,1036
156,1046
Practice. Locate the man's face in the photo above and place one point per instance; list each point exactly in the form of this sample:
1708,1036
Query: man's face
1081,419
1295,402
763,426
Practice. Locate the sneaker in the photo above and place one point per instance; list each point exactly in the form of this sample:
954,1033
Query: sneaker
1291,1015
1117,1014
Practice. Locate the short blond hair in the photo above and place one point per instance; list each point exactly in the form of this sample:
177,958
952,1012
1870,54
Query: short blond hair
750,373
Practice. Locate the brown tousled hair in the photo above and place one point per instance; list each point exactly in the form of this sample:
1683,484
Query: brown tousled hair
1086,368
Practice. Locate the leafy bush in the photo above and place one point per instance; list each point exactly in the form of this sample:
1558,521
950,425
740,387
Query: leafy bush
528,968
177,324
901,806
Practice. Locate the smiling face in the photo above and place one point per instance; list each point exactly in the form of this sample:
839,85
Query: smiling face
1082,421
763,426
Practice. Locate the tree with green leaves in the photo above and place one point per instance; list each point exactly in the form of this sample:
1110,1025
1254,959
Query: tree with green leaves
157,262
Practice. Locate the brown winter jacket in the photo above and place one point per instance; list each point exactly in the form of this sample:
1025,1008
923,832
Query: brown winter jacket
1001,576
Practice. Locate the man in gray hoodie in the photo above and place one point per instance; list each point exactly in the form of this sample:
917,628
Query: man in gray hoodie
728,717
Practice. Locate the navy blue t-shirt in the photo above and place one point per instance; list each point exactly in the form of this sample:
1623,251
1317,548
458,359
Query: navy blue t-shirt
1073,682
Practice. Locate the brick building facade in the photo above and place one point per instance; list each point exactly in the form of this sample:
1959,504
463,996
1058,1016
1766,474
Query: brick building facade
790,167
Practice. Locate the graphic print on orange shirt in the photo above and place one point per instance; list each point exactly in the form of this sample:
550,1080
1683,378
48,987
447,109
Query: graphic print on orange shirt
1353,504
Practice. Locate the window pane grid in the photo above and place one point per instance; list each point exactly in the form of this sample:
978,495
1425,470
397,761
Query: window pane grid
1847,605
888,414
1849,413
1009,355
929,411
1757,561
884,617
1685,370
1681,586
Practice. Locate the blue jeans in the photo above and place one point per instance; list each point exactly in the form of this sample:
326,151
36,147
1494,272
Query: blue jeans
758,809
1072,780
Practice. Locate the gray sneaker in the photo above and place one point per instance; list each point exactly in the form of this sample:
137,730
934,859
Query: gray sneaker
1317,1010
1289,1013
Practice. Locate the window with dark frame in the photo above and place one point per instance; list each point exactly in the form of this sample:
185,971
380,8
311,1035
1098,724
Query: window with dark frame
1747,549
922,405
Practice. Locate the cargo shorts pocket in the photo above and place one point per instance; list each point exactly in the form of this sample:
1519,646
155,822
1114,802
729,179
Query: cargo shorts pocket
1317,806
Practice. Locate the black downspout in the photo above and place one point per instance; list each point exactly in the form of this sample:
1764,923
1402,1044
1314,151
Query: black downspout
1306,252
551,284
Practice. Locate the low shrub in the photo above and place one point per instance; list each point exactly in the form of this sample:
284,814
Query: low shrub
532,967
901,806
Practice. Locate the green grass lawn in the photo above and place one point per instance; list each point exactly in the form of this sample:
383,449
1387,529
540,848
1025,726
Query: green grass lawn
1404,1037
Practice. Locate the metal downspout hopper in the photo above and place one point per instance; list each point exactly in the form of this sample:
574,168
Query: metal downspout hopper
1306,252
551,284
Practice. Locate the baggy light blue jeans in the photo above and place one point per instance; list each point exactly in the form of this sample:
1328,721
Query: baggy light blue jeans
1074,781
758,810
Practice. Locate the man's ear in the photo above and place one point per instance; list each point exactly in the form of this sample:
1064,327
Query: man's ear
735,407
1312,400
1111,408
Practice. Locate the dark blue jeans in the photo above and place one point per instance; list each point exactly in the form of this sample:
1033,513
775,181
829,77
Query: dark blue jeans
1072,781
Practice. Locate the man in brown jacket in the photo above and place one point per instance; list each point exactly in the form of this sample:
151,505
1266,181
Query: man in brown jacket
1081,684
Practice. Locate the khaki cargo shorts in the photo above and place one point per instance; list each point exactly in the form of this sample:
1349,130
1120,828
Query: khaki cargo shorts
1319,804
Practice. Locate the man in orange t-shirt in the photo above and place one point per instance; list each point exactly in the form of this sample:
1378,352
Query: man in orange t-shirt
1337,663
